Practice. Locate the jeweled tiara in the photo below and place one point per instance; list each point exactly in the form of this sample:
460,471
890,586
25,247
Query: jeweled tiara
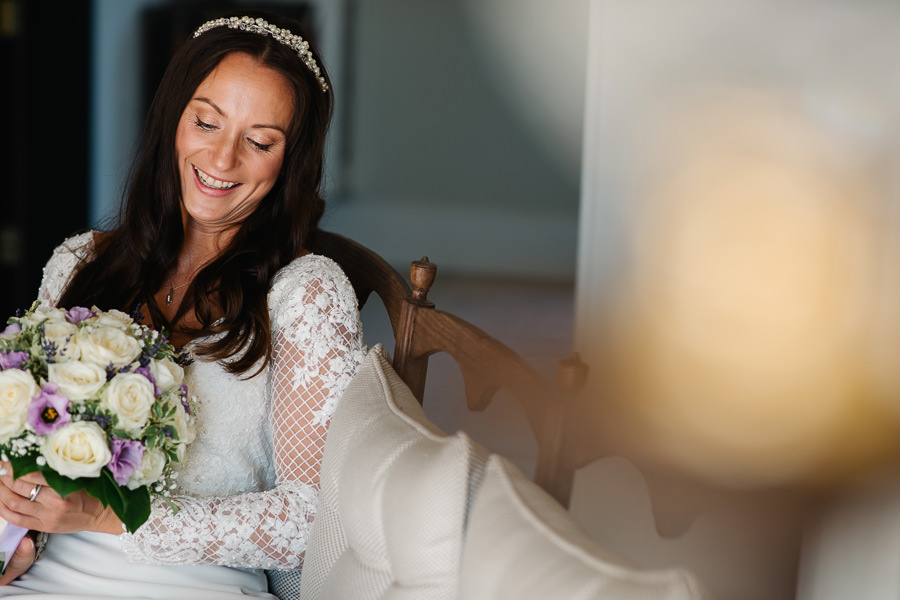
263,27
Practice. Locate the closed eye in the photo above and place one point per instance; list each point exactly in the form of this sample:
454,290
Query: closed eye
203,125
258,146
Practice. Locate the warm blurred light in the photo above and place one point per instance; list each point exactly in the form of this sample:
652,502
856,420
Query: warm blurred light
757,323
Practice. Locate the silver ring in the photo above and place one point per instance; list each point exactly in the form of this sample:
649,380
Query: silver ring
34,492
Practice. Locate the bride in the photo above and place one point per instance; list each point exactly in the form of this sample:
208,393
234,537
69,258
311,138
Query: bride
212,245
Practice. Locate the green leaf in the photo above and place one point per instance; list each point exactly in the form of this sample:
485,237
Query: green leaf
23,465
64,485
131,506
138,508
109,492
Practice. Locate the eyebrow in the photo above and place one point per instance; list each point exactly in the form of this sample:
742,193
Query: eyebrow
221,112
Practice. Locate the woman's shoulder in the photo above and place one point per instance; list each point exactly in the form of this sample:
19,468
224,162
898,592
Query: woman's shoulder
71,252
79,244
63,262
310,275
309,267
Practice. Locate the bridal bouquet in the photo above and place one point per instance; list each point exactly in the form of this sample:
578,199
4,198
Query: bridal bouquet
93,400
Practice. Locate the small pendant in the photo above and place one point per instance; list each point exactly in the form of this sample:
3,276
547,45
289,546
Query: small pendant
169,296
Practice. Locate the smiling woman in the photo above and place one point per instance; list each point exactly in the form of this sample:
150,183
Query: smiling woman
212,246
230,142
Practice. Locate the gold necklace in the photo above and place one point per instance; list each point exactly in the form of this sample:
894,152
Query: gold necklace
171,293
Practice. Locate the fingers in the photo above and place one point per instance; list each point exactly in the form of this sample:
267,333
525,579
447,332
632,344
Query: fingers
25,486
21,560
6,475
21,499
25,504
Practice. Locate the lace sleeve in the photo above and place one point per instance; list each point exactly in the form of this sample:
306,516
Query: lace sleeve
62,264
317,348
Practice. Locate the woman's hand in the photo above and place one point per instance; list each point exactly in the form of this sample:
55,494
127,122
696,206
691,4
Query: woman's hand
20,562
25,504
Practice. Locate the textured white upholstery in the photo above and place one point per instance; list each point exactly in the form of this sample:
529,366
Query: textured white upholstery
394,490
522,544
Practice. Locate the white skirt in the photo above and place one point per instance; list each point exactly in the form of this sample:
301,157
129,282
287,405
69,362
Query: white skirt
92,565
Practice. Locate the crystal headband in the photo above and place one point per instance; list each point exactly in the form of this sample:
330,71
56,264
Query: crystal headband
263,27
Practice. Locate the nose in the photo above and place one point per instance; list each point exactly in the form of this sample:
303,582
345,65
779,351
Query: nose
224,153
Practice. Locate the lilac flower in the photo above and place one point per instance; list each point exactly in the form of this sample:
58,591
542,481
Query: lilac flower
12,360
78,314
126,458
11,329
145,371
48,410
183,392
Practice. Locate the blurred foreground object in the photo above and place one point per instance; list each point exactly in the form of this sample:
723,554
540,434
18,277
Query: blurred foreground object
752,332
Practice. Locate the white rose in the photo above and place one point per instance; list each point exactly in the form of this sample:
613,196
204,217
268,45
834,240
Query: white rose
44,313
184,423
130,397
77,450
17,388
168,374
151,469
105,345
114,318
77,380
62,333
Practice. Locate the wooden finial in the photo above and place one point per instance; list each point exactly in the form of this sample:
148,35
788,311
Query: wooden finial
421,276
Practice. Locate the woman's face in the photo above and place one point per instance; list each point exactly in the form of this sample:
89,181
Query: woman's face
230,142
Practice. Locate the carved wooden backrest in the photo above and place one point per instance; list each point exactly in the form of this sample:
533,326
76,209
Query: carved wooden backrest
487,365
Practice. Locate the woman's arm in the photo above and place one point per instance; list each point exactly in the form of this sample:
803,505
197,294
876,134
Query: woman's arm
317,348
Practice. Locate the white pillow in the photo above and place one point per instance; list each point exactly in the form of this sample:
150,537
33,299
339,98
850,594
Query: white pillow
522,544
394,493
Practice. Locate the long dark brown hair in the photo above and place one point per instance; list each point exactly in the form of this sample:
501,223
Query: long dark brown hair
132,260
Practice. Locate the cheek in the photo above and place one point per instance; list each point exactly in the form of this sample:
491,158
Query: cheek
270,169
181,142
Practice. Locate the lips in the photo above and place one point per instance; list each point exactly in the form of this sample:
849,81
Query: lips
211,182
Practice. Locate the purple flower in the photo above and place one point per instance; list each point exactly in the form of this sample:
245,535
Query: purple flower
126,458
145,371
12,360
78,314
11,329
48,410
183,392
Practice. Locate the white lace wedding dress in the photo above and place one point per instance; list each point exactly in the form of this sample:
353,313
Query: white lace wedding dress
248,490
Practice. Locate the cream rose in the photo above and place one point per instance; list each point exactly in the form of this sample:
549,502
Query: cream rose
46,313
130,397
113,318
77,450
17,388
77,380
62,333
168,374
151,469
184,423
105,345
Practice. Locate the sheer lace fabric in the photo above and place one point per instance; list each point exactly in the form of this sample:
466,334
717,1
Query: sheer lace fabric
248,490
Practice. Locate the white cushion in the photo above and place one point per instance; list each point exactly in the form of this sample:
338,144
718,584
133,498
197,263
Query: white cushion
394,491
522,544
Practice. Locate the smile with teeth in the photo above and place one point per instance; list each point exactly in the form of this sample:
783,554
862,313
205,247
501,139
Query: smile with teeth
210,181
